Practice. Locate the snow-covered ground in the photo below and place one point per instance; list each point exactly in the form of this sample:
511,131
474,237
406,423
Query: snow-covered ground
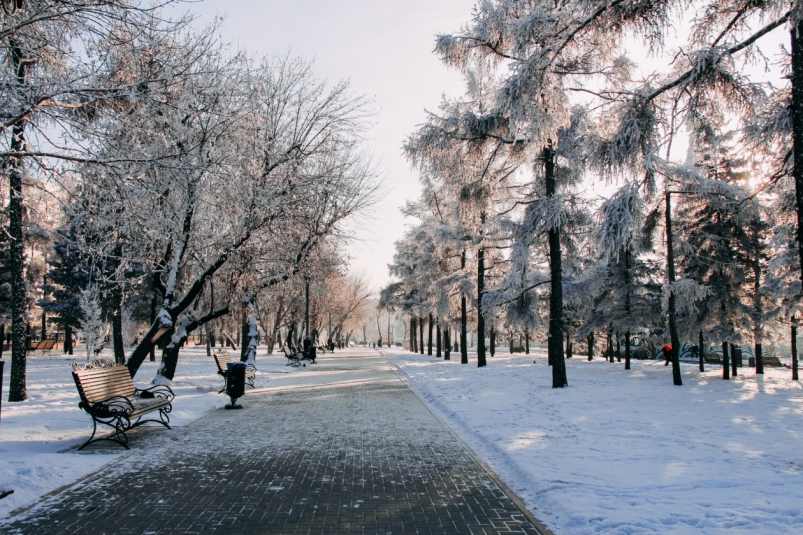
38,436
627,452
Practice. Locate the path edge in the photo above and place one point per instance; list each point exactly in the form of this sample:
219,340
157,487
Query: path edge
518,502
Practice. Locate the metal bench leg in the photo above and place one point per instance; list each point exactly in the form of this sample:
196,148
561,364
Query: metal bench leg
118,436
94,430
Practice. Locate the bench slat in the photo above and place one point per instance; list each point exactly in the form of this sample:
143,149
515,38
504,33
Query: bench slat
102,395
113,379
102,383
114,371
87,385
107,391
221,359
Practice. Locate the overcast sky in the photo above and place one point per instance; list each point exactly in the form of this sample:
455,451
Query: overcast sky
385,49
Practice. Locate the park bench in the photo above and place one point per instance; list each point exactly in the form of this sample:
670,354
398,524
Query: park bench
109,396
295,357
772,362
224,357
44,345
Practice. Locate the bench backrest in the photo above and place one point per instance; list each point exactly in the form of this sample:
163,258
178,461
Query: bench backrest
98,384
222,358
50,344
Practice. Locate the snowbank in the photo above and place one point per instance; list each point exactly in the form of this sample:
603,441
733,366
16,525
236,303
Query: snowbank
626,451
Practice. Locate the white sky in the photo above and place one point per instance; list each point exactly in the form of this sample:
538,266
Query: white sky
385,49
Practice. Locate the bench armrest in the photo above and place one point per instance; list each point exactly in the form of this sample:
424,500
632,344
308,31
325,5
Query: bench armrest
159,391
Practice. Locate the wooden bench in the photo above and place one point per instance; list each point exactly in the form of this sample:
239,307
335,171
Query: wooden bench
109,396
771,362
44,345
224,357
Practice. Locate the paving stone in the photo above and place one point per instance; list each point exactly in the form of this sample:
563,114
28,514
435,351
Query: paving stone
365,457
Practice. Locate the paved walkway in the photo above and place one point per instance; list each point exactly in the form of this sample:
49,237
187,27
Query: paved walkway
358,455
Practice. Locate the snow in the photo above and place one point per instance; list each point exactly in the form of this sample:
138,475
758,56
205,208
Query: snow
38,437
615,452
628,452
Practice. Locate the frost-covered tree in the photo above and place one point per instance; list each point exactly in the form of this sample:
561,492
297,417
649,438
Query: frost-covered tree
92,324
623,291
63,65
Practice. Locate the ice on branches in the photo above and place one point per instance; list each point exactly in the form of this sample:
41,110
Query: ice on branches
687,293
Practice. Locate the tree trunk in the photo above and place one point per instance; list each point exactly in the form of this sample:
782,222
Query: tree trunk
726,370
44,321
797,131
463,321
757,305
438,335
412,334
211,325
421,335
734,364
117,324
794,350
568,346
17,390
167,368
243,335
670,264
447,340
627,350
555,347
492,336
758,352
701,352
526,341
3,338
250,335
618,349
153,320
429,340
480,318
609,346
590,347
67,338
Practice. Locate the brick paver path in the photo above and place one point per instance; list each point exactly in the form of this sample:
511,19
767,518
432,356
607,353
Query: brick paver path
362,455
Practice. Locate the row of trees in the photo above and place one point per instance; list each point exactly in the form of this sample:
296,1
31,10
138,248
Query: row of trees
551,193
192,182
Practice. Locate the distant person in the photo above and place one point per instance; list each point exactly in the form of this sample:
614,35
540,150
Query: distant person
667,354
